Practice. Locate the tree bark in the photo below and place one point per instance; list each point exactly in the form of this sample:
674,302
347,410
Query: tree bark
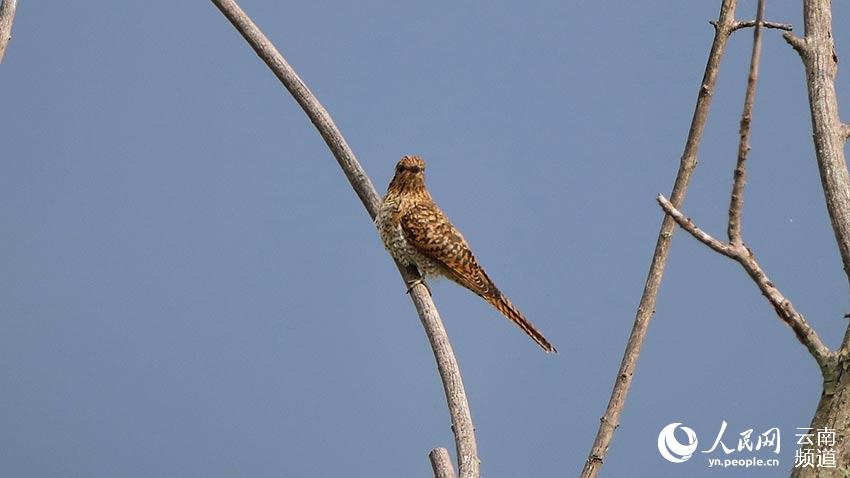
817,51
7,17
833,413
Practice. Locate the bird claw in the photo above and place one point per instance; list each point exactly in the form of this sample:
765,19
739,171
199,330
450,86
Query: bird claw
415,282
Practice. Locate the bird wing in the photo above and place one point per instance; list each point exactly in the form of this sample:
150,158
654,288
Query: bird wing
429,231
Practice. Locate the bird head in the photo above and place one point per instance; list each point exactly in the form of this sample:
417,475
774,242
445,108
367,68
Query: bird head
409,175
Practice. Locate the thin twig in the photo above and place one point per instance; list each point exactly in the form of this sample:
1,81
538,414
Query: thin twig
797,43
736,203
744,256
728,250
610,420
751,23
7,17
447,365
441,462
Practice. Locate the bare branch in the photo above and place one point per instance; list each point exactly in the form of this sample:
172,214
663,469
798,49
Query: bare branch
786,311
817,51
799,44
447,365
441,462
610,420
7,17
736,203
751,23
735,248
688,225
744,256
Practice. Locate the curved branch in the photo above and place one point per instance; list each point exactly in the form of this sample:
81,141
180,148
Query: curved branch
461,417
7,17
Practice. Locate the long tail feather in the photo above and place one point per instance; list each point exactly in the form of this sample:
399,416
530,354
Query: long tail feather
507,308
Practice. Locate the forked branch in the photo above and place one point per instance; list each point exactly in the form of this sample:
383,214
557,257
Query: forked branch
744,256
735,248
447,365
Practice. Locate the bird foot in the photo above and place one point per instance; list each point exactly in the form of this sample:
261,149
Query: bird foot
414,283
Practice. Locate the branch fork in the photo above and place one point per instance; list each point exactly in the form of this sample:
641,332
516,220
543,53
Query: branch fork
735,248
743,255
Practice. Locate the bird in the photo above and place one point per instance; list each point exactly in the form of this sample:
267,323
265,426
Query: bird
416,232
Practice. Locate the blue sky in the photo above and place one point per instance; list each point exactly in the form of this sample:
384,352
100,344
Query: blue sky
189,287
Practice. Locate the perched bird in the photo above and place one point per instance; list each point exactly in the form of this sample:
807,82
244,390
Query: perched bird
416,232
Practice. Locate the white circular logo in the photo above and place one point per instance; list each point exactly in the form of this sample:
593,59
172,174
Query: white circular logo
671,449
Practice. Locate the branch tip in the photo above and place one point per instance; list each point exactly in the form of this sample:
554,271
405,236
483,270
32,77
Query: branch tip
797,43
441,463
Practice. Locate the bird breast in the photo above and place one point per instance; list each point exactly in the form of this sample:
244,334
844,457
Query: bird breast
388,222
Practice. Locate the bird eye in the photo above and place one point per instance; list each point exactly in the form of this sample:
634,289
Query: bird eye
412,169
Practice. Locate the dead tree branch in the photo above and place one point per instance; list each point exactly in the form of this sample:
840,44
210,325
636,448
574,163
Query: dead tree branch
736,202
7,17
744,256
461,418
817,51
441,463
735,248
609,422
751,23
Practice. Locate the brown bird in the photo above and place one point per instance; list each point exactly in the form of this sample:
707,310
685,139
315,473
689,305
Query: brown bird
416,232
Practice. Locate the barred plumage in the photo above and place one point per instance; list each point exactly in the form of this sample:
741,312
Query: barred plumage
416,232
